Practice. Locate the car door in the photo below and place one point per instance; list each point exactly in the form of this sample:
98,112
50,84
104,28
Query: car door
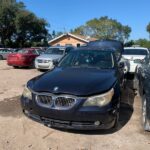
143,74
121,66
5,53
33,54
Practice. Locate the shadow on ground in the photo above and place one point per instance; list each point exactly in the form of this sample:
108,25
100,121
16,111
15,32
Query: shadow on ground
10,107
126,111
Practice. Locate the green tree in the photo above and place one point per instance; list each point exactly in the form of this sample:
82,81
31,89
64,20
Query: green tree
7,23
129,43
148,29
20,27
104,28
143,43
29,28
7,2
59,33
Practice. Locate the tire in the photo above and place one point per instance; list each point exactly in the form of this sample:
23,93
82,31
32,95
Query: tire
115,126
32,65
15,67
145,120
1,57
117,117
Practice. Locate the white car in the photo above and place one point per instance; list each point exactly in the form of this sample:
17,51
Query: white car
134,55
47,59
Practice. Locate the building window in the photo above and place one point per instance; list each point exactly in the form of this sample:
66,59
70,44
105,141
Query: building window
68,45
78,44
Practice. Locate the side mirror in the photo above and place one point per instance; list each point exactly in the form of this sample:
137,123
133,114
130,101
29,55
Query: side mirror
68,49
55,63
121,65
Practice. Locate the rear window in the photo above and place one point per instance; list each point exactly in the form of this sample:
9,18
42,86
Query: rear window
4,51
135,52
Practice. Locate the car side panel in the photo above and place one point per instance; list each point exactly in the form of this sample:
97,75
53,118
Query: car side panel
144,85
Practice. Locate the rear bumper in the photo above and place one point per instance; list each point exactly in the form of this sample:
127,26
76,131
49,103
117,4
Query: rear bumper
78,120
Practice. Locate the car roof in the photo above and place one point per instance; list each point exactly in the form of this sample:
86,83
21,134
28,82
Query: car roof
90,48
107,44
28,49
137,47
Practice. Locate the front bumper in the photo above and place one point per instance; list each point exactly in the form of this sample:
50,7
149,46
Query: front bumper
79,119
132,67
44,66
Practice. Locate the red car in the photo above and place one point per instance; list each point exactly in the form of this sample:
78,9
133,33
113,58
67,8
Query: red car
23,58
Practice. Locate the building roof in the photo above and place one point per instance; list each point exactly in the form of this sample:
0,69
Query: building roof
79,37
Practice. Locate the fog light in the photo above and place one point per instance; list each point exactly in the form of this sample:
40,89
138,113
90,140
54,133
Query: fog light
97,123
26,112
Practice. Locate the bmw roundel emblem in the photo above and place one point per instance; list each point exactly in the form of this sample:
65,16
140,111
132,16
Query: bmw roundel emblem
55,89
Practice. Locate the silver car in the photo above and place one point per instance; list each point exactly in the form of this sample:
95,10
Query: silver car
47,59
4,53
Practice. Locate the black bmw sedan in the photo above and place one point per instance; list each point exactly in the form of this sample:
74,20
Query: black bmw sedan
81,92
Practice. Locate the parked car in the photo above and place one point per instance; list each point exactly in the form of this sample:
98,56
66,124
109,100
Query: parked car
4,53
52,54
82,92
142,84
22,58
117,47
134,55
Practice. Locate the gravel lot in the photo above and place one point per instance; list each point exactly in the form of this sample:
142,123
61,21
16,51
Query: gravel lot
17,132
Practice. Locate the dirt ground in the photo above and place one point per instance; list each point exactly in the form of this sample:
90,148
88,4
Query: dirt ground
17,132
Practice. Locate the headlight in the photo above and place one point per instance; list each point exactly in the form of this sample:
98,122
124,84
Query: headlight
27,93
46,61
100,100
138,61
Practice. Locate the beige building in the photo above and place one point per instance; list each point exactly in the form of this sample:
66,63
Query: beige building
69,39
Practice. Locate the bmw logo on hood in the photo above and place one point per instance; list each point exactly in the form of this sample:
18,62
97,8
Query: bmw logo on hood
55,89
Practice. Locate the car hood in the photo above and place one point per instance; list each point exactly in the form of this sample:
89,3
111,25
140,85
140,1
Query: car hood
74,81
49,57
134,57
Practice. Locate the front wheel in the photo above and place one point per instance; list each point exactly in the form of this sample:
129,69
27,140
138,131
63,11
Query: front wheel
145,120
115,126
15,67
1,57
32,65
117,115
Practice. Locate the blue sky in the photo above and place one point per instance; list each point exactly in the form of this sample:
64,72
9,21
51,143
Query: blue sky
68,14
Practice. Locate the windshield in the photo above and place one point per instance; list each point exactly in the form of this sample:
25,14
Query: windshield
88,58
55,51
39,51
23,51
135,52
